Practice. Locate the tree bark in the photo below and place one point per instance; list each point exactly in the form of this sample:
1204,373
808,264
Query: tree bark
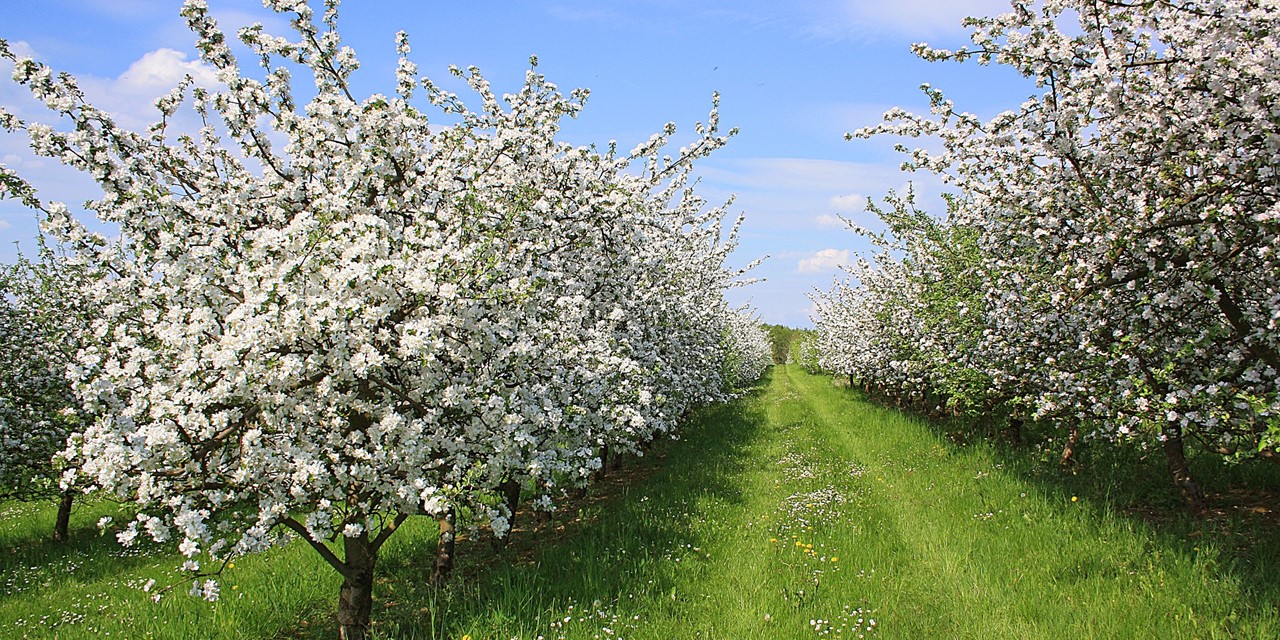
1176,456
1069,450
355,598
511,498
61,527
510,490
443,565
605,455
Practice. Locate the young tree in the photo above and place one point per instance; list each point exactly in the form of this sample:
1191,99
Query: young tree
333,316
44,318
750,347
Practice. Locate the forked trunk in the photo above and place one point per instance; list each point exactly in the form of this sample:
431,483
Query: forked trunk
1176,456
355,599
61,527
444,549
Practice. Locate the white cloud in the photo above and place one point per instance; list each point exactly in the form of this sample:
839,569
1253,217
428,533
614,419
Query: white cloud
21,49
824,260
156,72
5,224
130,97
850,202
829,220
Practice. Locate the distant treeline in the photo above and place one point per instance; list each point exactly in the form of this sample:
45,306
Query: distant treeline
786,342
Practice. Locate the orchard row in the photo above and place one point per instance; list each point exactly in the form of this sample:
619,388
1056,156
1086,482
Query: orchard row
322,319
1108,266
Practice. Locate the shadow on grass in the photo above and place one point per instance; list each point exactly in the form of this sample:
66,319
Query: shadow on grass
1126,481
596,559
31,561
1243,519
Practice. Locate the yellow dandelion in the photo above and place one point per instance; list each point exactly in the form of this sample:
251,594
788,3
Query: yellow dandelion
1074,499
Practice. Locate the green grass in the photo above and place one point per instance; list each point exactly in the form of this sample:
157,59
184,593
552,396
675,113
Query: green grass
793,512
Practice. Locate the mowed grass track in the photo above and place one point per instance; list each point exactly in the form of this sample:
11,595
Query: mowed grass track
797,511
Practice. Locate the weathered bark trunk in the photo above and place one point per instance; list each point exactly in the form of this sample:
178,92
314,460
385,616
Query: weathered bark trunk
444,549
1069,450
61,527
511,497
510,490
605,455
355,598
1176,456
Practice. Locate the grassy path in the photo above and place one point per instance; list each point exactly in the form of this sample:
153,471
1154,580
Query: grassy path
960,548
795,512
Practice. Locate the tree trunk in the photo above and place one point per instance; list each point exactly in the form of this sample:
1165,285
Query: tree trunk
511,497
444,549
510,490
1176,457
1069,450
355,599
600,473
1013,430
61,527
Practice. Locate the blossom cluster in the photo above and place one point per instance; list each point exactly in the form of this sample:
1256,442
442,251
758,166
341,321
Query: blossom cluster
1109,261
332,315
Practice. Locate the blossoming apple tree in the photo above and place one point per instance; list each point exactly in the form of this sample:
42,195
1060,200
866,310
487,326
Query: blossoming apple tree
326,318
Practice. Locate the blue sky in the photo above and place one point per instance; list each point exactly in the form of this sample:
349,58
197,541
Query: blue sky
794,77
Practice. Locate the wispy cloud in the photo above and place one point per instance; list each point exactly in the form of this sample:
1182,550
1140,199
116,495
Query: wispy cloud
799,173
914,18
825,260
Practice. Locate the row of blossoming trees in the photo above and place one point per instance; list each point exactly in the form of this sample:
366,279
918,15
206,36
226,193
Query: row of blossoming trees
1108,264
322,319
